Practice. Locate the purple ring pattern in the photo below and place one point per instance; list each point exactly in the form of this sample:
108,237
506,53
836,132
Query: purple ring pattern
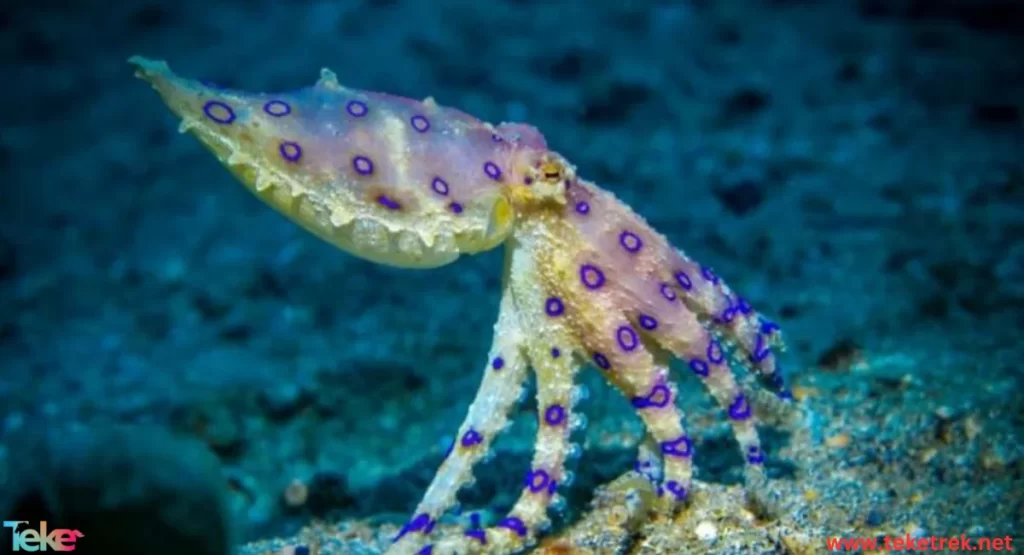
455,207
740,408
209,107
537,480
699,367
554,306
492,170
627,338
677,489
708,274
290,151
668,292
554,415
591,276
630,241
684,280
714,352
601,361
498,363
478,534
440,186
515,524
682,446
362,165
277,108
659,397
421,523
388,202
647,322
471,438
582,207
356,108
419,123
755,455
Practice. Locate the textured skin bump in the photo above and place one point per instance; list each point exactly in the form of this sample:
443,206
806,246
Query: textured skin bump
389,179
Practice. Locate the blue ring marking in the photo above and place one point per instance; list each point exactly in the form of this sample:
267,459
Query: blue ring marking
555,353
537,480
498,363
362,165
554,415
755,455
714,352
471,438
668,292
515,524
684,280
676,488
419,123
591,276
554,306
421,523
582,207
740,408
492,170
440,186
427,550
730,312
659,397
479,535
630,241
647,322
682,446
301,550
208,110
761,351
356,108
277,108
455,207
601,361
627,338
388,202
700,367
768,327
290,151
708,274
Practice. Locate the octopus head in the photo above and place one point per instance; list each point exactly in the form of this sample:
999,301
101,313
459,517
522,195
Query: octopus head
540,179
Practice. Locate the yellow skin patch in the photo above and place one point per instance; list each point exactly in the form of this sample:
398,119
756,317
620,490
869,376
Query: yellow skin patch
587,281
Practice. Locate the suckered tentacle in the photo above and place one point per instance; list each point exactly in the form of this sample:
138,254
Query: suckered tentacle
518,529
499,391
731,317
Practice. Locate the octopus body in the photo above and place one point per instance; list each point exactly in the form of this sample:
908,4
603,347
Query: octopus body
587,282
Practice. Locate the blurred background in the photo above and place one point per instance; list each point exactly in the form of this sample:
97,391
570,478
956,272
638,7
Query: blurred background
170,347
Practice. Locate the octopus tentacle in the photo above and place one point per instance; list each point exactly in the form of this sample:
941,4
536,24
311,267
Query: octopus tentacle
687,339
707,360
499,391
731,317
519,528
663,419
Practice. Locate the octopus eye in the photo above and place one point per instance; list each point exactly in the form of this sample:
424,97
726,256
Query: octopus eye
551,170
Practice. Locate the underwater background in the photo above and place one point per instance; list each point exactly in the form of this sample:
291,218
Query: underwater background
182,370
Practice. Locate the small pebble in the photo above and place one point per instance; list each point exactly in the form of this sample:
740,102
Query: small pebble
707,531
